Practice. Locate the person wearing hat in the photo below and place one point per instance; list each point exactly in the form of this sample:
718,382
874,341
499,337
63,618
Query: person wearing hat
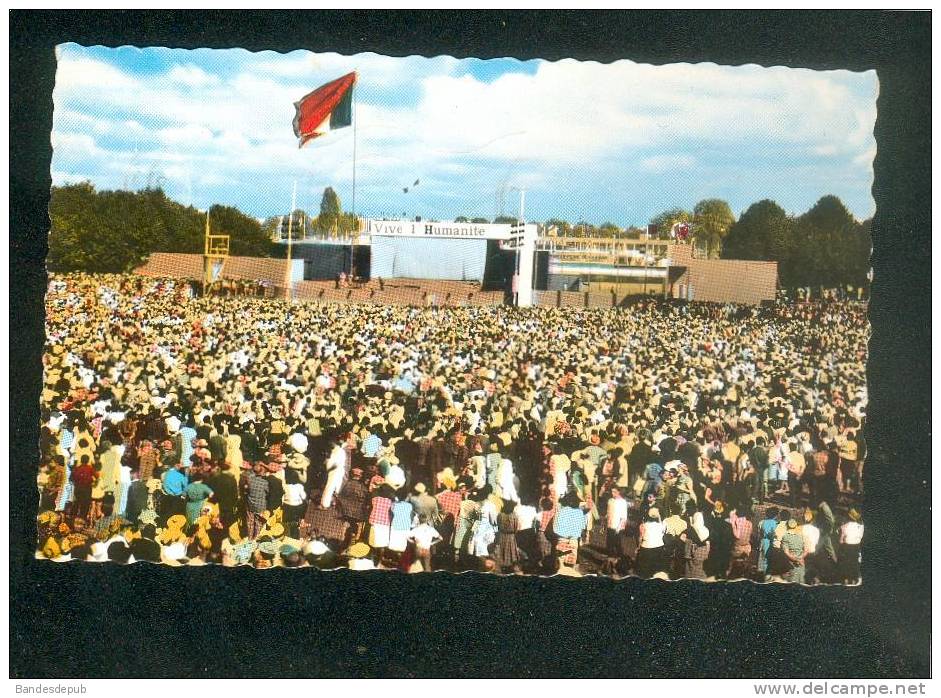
851,538
811,534
319,554
291,556
506,555
266,553
297,459
492,465
792,548
359,557
402,515
423,503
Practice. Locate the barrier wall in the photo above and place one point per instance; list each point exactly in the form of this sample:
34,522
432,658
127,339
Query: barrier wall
721,280
190,266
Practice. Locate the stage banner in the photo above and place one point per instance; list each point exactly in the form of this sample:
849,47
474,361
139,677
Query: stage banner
447,229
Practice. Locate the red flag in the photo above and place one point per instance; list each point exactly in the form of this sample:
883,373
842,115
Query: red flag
327,108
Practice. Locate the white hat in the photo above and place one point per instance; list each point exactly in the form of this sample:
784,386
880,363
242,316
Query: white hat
298,442
173,424
395,477
316,547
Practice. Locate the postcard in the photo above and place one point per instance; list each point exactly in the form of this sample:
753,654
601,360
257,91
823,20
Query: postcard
418,314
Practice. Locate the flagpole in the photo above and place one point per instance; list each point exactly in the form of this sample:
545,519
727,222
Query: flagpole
353,198
354,234
288,276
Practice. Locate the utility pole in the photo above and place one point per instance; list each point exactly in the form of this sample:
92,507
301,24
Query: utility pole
288,276
516,263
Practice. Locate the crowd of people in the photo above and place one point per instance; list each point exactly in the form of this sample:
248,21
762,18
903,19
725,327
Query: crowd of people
668,439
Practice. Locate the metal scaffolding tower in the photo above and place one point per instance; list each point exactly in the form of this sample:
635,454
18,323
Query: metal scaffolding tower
214,256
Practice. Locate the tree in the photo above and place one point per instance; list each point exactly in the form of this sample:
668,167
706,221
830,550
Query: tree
584,229
608,230
348,224
461,219
114,231
823,247
712,219
858,254
828,236
330,211
562,228
666,220
271,227
479,220
506,219
247,238
764,232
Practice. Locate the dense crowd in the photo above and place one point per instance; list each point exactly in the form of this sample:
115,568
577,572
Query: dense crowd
665,440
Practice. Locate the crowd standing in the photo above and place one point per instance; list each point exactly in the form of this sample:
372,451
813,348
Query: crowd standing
668,439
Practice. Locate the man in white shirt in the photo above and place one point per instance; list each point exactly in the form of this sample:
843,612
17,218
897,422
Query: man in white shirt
424,536
616,516
336,473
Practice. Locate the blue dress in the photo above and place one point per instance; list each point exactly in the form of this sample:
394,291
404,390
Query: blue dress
767,528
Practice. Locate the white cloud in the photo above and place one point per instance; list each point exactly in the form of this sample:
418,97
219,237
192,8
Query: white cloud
666,163
191,76
79,72
551,130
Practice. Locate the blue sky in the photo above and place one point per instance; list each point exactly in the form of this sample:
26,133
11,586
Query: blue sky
617,142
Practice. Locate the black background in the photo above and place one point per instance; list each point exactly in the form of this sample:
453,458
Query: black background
102,620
